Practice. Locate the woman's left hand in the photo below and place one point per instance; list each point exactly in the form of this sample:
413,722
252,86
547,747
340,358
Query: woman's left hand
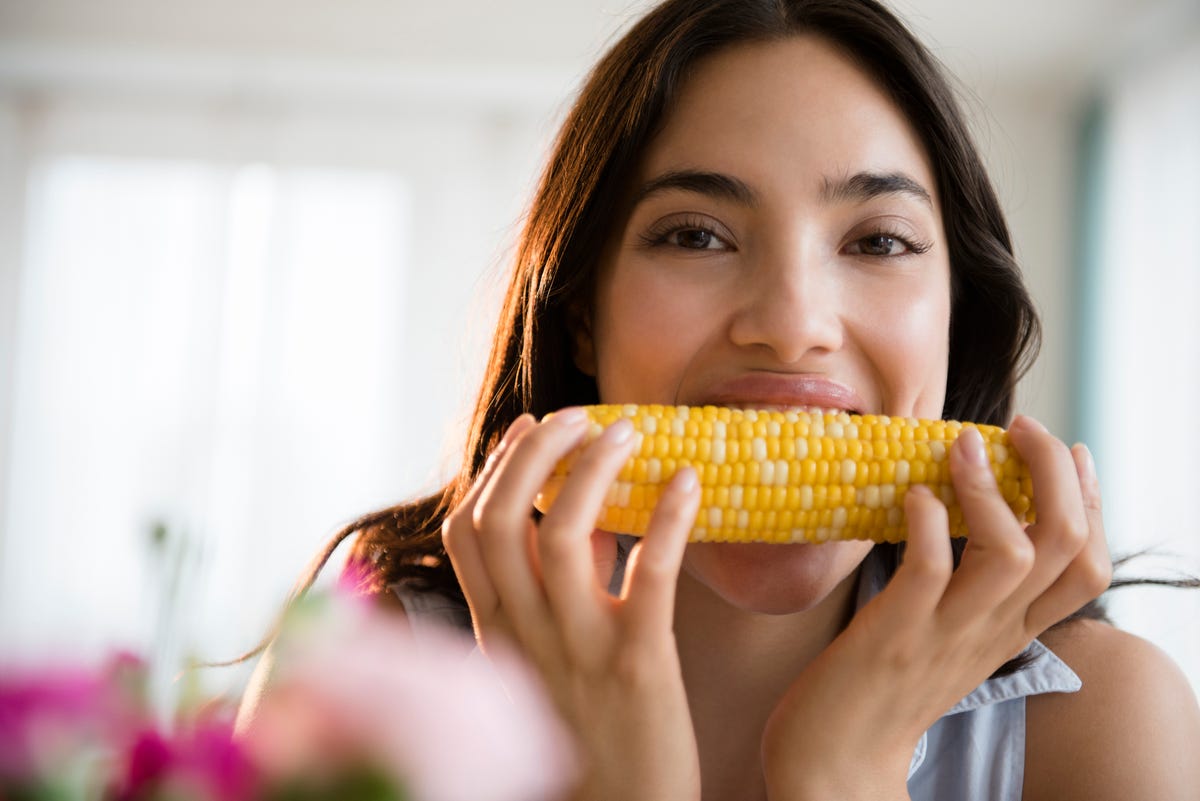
848,725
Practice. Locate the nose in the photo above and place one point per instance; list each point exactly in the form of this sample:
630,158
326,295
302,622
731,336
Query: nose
791,306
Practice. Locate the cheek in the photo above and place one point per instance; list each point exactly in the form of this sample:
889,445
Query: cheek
907,336
647,327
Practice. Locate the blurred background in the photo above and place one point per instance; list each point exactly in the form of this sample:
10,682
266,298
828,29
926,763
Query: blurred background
250,253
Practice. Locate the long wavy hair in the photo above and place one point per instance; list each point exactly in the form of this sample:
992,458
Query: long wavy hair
994,330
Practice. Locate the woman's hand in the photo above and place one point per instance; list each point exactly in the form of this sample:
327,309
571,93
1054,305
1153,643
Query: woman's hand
610,664
848,726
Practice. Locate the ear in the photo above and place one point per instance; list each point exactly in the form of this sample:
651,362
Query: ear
583,350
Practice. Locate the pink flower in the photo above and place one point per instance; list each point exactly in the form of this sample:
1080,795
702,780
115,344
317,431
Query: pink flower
202,762
440,719
51,715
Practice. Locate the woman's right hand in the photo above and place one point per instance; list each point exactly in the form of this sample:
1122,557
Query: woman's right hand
609,663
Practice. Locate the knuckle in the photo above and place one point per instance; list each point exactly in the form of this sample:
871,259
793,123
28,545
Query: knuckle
1095,575
554,541
928,568
1018,553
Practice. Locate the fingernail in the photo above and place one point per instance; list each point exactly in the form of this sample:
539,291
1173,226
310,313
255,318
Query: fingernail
972,446
509,431
1089,464
686,483
618,433
572,416
1029,422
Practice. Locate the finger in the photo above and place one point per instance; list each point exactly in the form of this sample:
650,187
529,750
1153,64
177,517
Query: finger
564,535
502,518
1062,529
460,539
998,556
1090,573
604,556
928,562
653,570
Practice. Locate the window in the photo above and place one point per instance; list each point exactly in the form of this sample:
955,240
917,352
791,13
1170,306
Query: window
1140,293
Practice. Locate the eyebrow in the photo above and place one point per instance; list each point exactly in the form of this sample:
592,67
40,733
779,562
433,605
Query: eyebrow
713,184
859,187
864,186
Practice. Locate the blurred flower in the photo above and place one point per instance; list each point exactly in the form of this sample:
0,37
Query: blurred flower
437,716
360,709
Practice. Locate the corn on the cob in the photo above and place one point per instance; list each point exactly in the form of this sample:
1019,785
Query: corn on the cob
789,476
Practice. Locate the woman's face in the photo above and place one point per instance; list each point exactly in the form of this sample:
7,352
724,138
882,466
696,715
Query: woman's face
783,247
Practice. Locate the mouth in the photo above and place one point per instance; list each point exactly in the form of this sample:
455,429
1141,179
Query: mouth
786,392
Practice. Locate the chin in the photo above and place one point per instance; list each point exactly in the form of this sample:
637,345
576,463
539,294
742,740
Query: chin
774,579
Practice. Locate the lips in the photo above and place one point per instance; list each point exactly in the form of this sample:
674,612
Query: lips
784,391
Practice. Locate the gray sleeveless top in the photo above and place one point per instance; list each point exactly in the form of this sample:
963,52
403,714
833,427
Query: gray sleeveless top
975,752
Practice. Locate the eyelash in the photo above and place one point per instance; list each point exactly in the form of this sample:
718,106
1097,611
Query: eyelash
915,247
660,235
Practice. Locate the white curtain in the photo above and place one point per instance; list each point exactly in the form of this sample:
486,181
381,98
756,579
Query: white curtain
1143,343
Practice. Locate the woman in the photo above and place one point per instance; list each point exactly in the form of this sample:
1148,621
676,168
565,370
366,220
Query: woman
777,203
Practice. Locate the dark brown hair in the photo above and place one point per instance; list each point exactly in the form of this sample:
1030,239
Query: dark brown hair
994,331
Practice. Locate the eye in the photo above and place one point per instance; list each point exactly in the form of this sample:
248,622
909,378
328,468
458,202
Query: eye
686,234
884,244
695,239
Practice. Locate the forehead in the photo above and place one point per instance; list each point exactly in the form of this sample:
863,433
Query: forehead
796,109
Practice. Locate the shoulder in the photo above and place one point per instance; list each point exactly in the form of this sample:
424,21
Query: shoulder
1130,731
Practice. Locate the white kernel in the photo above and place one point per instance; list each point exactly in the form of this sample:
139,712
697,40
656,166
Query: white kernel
699,534
817,427
849,471
677,429
758,449
834,429
623,490
630,410
743,519
649,425
735,496
750,415
717,453
718,429
773,428
766,474
851,430
781,473
823,534
894,516
871,496
610,498
999,453
839,517
937,450
806,497
801,448
798,535
714,517
594,430
791,416
887,495
902,473
653,470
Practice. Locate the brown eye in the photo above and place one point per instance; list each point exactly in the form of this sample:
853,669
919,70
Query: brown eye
881,245
695,239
